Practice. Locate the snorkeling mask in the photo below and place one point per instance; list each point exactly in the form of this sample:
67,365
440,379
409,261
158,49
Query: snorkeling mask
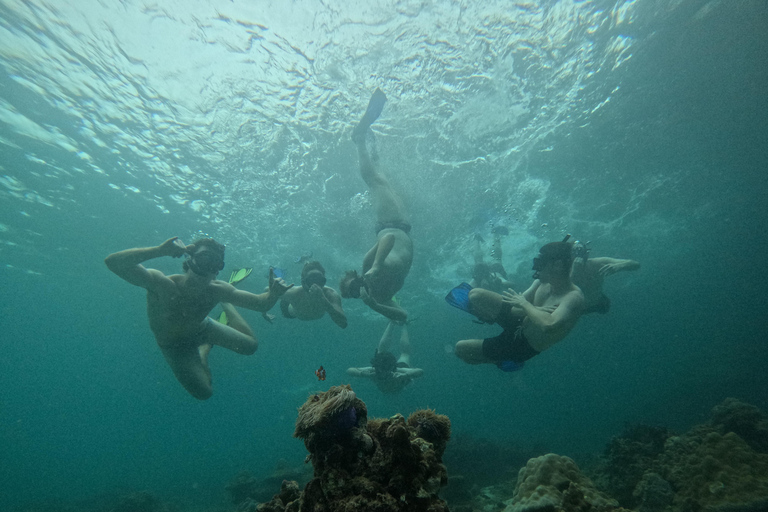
580,250
205,262
546,256
313,277
539,263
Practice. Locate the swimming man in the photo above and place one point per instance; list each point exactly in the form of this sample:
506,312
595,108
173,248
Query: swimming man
386,264
390,374
313,299
533,321
178,306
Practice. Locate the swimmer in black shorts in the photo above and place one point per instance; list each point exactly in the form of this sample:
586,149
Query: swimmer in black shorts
534,320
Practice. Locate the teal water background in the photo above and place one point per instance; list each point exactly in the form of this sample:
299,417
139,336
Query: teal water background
638,125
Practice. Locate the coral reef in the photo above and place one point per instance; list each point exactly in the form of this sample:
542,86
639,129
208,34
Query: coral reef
626,459
744,420
719,466
552,483
382,465
248,488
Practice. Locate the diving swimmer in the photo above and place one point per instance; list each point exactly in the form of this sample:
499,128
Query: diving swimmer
387,263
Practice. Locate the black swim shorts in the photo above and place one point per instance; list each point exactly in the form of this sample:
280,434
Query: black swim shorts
510,345
397,224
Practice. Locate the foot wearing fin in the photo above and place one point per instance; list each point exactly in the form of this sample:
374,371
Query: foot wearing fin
239,274
459,297
372,113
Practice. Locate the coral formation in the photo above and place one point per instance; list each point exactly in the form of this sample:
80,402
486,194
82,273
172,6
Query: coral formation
626,459
246,488
718,466
383,465
554,482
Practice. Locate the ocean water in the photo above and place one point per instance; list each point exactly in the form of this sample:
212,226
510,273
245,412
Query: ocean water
638,125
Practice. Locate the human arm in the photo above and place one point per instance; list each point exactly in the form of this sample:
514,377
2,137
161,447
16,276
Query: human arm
127,264
332,303
261,302
367,372
545,318
609,266
285,306
391,310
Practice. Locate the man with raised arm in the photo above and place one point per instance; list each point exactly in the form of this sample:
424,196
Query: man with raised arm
178,306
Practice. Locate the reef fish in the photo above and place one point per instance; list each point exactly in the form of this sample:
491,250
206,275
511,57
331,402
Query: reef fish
320,372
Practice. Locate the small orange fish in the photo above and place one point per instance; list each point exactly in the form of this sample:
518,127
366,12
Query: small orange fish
320,372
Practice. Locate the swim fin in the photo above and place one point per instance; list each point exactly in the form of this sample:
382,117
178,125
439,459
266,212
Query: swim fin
223,318
372,113
459,297
239,274
510,366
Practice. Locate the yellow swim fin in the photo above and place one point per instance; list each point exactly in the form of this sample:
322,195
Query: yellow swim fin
223,318
239,274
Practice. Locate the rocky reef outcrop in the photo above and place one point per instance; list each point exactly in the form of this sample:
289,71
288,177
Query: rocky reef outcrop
381,465
553,483
719,466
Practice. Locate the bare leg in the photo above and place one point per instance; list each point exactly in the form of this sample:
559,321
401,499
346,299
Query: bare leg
191,369
236,321
496,248
383,248
388,205
471,351
405,346
386,339
479,256
237,336
485,304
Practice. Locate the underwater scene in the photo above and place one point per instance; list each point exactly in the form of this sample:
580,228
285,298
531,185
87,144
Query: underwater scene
556,214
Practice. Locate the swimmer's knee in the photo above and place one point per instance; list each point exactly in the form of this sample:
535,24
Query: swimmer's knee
469,351
250,347
462,349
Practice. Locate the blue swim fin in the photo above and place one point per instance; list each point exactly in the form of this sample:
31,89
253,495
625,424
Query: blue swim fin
510,366
459,297
372,113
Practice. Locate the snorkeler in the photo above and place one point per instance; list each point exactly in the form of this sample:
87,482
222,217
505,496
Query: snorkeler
390,374
386,264
490,276
178,306
589,274
313,299
532,321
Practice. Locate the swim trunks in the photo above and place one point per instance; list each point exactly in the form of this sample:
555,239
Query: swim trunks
395,224
602,306
510,345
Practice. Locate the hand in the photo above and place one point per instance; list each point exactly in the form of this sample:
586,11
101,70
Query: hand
316,292
367,299
513,298
276,284
372,276
174,247
609,269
